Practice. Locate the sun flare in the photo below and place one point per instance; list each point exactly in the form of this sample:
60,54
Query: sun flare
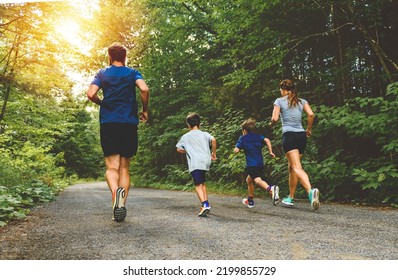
70,31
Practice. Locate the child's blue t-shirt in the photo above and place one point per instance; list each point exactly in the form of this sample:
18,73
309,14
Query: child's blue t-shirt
252,145
119,104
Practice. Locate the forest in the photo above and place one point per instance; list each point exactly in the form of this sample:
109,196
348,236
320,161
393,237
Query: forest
222,59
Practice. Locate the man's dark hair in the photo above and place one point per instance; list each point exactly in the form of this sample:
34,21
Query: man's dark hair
117,52
193,120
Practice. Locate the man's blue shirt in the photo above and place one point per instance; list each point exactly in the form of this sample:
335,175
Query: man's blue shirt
119,104
252,145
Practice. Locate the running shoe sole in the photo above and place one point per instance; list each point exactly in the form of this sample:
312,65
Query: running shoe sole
119,214
315,199
119,210
275,196
204,211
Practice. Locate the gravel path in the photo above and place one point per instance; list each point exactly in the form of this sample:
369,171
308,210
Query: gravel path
163,225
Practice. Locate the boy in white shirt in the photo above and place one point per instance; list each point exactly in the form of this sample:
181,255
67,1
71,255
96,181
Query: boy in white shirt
196,145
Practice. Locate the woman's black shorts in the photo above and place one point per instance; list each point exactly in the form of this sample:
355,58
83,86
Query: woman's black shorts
119,139
293,141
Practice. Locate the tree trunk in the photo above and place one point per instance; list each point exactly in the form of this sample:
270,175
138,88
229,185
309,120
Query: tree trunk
342,84
6,97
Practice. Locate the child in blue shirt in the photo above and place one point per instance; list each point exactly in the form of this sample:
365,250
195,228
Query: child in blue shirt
196,145
252,144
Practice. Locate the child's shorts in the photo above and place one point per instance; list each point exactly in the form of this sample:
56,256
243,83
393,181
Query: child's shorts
255,172
119,139
294,141
198,176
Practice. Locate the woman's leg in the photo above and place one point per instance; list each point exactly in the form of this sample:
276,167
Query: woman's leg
296,172
293,182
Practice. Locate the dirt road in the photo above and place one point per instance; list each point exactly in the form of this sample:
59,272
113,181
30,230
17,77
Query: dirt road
163,225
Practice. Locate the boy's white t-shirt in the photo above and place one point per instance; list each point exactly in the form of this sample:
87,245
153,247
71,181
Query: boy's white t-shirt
196,143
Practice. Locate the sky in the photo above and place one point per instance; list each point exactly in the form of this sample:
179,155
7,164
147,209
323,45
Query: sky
22,1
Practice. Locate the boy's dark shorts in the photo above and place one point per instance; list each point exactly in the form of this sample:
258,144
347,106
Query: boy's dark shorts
255,172
293,141
198,176
119,139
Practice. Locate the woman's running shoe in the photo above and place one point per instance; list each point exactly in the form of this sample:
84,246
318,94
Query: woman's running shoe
288,201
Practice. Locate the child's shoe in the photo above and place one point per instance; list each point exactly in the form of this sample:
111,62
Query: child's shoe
314,199
204,211
248,203
275,195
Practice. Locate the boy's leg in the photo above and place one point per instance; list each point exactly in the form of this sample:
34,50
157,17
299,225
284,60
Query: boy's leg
249,202
261,183
202,195
201,192
250,186
199,178
272,190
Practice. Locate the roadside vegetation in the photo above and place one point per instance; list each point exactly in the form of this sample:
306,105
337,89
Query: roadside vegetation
222,59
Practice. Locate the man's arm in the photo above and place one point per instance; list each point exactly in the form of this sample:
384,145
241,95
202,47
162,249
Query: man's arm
144,95
92,94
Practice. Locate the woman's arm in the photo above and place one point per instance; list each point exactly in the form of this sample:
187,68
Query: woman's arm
275,115
310,118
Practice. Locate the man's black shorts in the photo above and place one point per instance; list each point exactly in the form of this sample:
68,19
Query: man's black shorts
293,141
119,139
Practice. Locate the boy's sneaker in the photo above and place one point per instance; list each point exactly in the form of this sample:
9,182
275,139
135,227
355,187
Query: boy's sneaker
275,195
204,211
288,201
119,209
314,199
248,203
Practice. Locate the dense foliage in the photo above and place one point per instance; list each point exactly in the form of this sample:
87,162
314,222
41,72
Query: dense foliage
224,58
220,58
46,135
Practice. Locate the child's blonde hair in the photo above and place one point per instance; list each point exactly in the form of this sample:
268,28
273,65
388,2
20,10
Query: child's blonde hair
249,125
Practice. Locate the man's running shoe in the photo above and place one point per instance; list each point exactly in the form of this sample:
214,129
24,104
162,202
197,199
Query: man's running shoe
119,209
288,201
275,195
248,203
314,199
204,211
